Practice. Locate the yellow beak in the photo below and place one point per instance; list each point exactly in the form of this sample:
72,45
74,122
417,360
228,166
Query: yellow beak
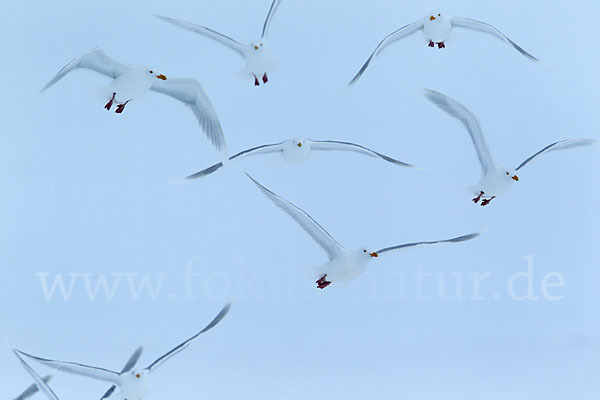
299,144
432,18
515,178
161,76
255,47
374,254
137,375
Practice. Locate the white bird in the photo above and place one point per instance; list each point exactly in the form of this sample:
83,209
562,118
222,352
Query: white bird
132,385
496,180
256,54
437,28
41,384
344,265
131,82
298,150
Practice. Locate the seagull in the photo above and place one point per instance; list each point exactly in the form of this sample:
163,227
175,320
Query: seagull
132,384
496,180
297,151
344,265
131,82
437,28
41,384
256,54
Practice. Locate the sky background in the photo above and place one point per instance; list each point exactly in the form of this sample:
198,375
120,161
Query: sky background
86,191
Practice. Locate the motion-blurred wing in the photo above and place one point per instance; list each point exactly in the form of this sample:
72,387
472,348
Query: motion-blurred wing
264,149
185,344
357,148
191,93
389,39
207,32
418,244
40,384
78,369
316,231
470,121
489,29
560,145
94,60
269,18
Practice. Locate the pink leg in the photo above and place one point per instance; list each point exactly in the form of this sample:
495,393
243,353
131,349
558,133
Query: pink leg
110,102
265,79
431,44
121,107
485,202
322,283
256,83
441,45
476,199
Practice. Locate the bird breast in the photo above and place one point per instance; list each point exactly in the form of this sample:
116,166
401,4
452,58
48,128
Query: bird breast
438,30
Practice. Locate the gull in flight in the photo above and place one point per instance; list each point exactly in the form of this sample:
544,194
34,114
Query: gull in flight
40,384
131,82
344,265
256,54
298,150
132,384
437,28
496,180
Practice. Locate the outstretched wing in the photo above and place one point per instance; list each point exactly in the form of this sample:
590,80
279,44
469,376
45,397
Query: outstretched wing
357,148
128,367
191,93
269,18
95,60
389,39
263,149
40,383
470,121
185,344
418,244
33,389
316,231
560,145
207,32
489,29
78,369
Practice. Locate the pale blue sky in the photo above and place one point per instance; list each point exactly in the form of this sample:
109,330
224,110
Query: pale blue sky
86,191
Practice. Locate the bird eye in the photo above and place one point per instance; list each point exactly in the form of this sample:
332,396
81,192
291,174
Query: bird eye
151,71
439,15
507,173
364,251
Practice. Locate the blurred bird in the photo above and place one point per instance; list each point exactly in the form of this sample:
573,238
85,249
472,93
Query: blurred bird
437,28
256,54
298,150
132,384
343,265
496,180
131,82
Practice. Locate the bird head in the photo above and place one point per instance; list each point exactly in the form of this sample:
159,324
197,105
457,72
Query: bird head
512,175
153,74
139,374
435,16
299,143
369,254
